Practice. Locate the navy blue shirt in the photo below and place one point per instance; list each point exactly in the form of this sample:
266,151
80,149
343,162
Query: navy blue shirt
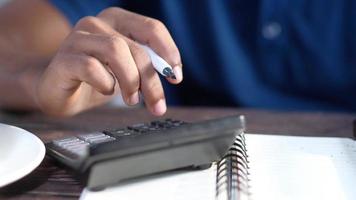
296,54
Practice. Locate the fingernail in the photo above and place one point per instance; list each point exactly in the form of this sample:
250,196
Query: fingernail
160,107
134,98
178,73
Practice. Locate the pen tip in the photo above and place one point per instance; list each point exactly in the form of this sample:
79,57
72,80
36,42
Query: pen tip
169,73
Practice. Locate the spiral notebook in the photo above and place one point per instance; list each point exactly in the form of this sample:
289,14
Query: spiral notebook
257,167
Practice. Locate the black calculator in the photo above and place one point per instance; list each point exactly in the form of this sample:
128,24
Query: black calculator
107,157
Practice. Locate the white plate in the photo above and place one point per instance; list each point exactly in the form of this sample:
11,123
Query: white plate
20,153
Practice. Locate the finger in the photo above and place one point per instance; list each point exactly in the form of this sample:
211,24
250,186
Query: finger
146,31
84,68
151,86
58,89
114,52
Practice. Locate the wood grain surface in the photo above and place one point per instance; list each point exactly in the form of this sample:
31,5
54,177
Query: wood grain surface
51,181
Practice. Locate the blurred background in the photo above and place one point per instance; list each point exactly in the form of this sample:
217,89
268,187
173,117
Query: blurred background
3,1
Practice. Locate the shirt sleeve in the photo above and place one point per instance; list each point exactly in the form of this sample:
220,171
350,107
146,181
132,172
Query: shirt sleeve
76,9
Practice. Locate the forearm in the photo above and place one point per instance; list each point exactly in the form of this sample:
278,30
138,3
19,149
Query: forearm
18,78
30,33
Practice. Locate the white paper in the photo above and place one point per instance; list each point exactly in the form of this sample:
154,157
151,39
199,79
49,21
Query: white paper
312,168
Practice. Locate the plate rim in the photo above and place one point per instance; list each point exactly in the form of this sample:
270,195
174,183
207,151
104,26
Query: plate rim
28,168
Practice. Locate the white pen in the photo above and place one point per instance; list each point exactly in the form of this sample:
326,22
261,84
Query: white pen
159,63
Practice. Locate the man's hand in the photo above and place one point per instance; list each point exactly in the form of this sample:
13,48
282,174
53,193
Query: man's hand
102,57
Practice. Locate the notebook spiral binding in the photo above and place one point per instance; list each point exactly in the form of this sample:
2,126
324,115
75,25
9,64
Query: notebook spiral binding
232,178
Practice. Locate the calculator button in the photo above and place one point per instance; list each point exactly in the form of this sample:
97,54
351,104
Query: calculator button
152,128
161,125
134,129
78,147
118,133
69,145
91,135
140,128
62,142
155,123
100,140
137,125
80,151
96,137
144,129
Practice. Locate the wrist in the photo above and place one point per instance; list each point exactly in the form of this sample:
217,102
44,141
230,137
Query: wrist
28,80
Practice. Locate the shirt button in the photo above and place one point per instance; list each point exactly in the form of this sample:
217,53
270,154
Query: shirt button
271,30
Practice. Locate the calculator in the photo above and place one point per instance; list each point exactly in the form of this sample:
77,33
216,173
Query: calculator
107,157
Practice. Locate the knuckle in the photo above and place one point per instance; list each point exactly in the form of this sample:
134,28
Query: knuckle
110,11
115,43
76,35
87,21
137,50
155,26
140,55
71,41
89,65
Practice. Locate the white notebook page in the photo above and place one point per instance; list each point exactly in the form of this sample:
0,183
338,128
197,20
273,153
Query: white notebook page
281,168
287,167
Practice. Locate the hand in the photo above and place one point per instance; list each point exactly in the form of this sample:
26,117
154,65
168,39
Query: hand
101,57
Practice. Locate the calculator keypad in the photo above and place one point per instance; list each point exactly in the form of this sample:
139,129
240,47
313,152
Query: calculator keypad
73,146
78,147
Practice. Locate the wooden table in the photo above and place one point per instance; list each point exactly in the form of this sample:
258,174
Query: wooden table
49,181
